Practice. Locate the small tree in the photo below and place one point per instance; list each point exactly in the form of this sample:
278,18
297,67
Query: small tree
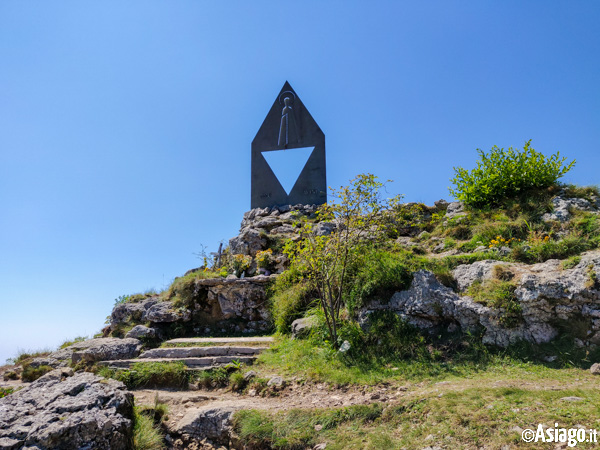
507,173
358,214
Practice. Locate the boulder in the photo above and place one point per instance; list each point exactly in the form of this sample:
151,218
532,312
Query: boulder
91,350
166,312
248,242
65,411
105,349
595,369
141,332
301,327
131,311
210,423
455,210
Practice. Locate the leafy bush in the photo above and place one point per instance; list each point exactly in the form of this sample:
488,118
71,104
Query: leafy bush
505,174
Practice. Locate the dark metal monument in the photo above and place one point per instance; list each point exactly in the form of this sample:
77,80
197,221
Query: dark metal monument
289,142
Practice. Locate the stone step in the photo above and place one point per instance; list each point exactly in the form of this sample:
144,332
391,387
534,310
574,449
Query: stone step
205,362
239,341
195,352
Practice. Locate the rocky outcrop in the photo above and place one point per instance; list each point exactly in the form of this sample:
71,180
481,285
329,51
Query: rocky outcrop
260,225
167,312
227,304
91,351
131,312
241,299
65,411
547,295
562,208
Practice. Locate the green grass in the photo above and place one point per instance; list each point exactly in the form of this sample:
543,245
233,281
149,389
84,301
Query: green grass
435,358
30,373
24,356
451,417
6,391
499,294
150,374
75,340
146,433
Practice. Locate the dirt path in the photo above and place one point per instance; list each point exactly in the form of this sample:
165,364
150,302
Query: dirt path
322,395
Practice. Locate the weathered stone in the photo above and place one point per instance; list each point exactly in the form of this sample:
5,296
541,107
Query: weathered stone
248,242
103,349
466,274
276,382
564,206
595,369
301,327
59,411
91,350
213,424
455,210
131,311
141,332
165,312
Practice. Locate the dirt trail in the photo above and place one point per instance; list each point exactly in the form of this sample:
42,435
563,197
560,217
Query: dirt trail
322,395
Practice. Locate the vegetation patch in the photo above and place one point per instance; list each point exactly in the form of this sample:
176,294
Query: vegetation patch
6,391
507,173
147,434
499,294
31,373
150,374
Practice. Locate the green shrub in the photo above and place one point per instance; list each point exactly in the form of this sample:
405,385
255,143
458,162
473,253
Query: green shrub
237,382
378,275
33,373
505,174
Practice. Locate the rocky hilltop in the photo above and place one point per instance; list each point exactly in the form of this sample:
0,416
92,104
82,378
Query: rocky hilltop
491,274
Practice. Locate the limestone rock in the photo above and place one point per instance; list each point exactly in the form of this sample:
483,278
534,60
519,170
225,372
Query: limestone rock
546,293
165,312
91,350
248,242
131,311
466,274
104,349
141,332
213,424
301,327
60,411
564,206
455,210
595,369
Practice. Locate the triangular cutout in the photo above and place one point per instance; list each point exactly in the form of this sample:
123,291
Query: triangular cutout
288,164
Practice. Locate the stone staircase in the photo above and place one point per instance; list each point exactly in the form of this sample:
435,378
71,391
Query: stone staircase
200,353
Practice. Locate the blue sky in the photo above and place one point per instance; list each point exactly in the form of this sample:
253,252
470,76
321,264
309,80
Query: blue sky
125,127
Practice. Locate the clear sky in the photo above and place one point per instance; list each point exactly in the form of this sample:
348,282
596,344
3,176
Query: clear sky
125,127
